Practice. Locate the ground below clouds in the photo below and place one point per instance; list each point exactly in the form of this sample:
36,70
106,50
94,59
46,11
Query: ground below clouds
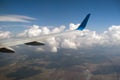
66,64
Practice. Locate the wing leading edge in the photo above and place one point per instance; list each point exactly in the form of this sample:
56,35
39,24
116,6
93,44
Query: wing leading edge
4,46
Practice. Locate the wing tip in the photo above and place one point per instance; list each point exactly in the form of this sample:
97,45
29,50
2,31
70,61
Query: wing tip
84,23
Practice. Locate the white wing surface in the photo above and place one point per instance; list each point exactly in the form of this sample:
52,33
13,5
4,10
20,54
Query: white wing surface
6,44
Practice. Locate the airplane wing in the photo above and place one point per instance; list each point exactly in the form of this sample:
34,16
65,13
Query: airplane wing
5,45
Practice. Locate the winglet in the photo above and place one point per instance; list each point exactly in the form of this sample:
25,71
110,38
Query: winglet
84,22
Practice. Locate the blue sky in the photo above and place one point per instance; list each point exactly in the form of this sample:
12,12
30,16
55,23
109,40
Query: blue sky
105,13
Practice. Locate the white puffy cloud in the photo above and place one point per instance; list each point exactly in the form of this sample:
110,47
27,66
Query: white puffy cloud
5,34
68,44
57,30
15,18
73,26
112,35
45,30
33,31
85,38
52,44
75,40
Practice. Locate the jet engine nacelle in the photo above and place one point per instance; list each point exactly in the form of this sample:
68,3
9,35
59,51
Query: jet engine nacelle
7,50
35,43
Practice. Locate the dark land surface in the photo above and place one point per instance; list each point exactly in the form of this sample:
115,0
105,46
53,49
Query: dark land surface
63,65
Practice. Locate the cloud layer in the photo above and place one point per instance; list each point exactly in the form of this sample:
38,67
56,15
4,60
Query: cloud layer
76,40
15,18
